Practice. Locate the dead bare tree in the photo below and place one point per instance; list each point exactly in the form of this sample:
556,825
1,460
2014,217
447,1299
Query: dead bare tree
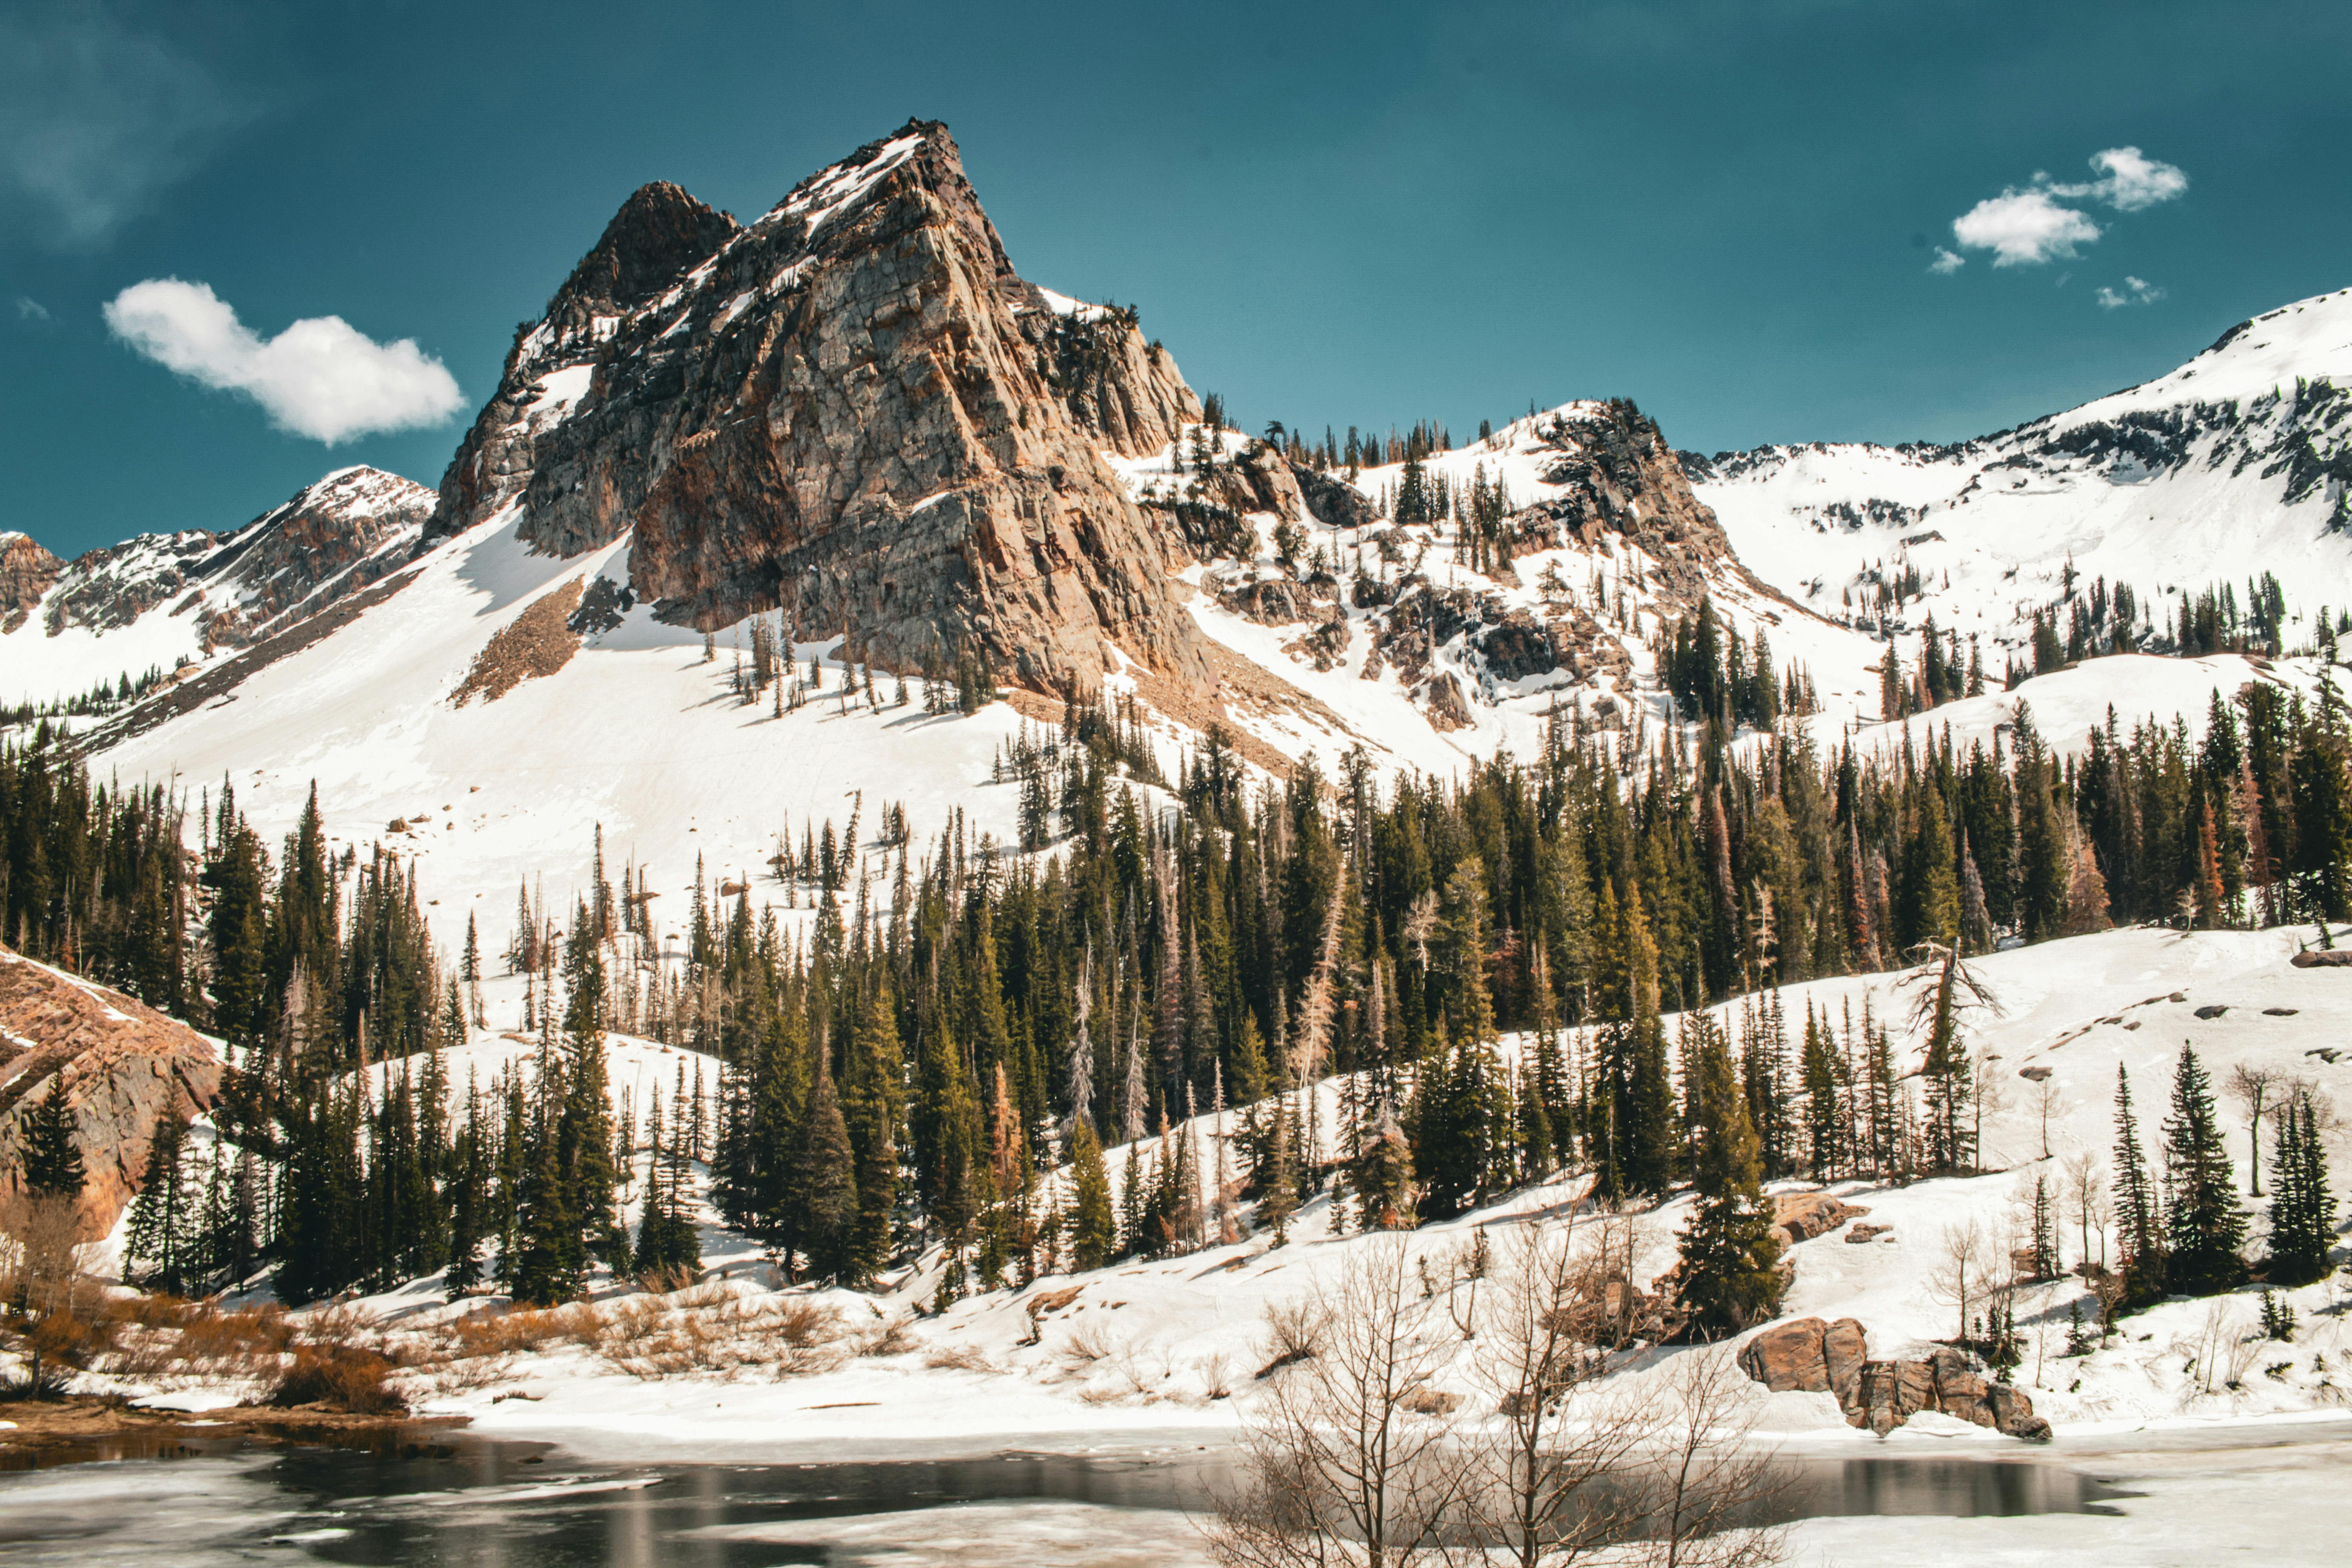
2086,1200
1967,1271
2254,1088
1558,1466
1348,1458
1712,1480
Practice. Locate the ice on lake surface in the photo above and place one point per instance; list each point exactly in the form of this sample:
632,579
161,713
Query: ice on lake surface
521,1506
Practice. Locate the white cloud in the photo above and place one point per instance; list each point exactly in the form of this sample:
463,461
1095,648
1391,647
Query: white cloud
2135,291
2027,228
2023,228
2128,181
321,377
1947,262
95,120
31,310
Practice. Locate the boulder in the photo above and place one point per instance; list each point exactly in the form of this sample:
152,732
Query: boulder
1800,1216
1863,1233
2332,958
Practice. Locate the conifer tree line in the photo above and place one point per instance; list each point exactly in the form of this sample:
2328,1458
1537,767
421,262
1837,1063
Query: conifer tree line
957,1017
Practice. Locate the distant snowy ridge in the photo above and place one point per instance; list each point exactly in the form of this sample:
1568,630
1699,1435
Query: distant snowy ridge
2232,465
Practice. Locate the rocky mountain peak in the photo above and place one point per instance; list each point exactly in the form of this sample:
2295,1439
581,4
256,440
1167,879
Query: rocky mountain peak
228,590
659,233
27,572
855,411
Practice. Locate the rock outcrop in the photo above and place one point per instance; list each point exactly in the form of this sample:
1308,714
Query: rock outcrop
27,572
1800,1216
124,1067
1810,1355
852,410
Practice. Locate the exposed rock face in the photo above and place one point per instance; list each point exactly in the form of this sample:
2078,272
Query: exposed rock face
1800,1216
1624,479
124,1064
331,538
854,410
334,538
27,572
1813,1356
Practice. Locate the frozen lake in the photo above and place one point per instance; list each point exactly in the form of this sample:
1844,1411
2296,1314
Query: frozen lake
455,1500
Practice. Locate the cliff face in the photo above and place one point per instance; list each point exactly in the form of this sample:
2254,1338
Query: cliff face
27,572
124,1067
852,409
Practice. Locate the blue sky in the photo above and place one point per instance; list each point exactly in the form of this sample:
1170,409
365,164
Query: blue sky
1732,213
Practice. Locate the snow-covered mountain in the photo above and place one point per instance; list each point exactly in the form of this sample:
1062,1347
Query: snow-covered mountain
2231,467
161,601
849,431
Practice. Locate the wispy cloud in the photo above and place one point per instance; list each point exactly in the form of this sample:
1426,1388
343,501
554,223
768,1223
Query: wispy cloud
1947,262
321,377
31,310
2128,180
96,119
2029,225
2134,291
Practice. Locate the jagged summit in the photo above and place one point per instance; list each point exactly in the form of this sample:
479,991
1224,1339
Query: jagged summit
660,232
851,410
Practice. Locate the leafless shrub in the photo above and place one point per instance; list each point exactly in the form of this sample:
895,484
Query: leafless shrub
1086,1343
1336,1467
1708,1477
894,1337
1294,1330
340,1377
1216,1376
958,1358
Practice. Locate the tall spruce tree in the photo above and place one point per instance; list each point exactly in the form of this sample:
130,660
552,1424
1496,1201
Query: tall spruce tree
2204,1227
1731,1257
2139,1219
52,1145
2302,1206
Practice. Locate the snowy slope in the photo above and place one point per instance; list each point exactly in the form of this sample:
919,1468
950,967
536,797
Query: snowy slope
1150,1345
164,600
2232,465
635,732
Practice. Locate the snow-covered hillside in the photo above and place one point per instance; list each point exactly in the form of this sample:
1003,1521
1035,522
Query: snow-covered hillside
635,731
1175,1344
163,602
2232,465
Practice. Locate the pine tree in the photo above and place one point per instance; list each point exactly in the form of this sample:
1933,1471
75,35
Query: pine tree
870,1109
1730,1258
821,1220
2204,1226
2303,1208
52,1146
2139,1219
1094,1238
157,1241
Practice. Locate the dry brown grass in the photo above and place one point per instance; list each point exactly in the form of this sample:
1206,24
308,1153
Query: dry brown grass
958,1358
338,1377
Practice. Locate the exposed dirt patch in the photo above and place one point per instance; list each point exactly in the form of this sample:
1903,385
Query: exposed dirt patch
539,642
